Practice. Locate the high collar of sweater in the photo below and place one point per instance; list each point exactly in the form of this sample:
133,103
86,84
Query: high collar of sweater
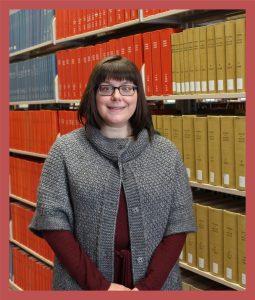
117,149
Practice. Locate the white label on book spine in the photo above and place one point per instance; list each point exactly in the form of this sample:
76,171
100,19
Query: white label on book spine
197,86
174,86
229,273
190,258
188,172
230,84
243,279
211,85
199,174
178,87
212,177
239,83
204,86
242,181
220,85
183,87
215,268
187,86
192,86
201,263
226,178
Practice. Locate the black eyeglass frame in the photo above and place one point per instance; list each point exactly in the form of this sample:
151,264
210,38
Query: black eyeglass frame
134,87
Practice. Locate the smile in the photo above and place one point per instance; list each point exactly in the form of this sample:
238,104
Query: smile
116,108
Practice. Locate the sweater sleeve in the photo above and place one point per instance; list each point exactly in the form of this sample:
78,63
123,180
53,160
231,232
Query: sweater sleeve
75,260
181,217
162,262
54,209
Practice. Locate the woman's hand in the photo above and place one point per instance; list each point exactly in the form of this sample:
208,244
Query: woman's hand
134,289
118,287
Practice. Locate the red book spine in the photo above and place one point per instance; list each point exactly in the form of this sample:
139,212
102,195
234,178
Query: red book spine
138,49
156,62
65,24
84,20
79,13
166,55
104,18
92,19
100,19
134,14
130,48
74,73
89,18
96,17
111,17
79,71
123,47
68,72
120,16
127,15
148,63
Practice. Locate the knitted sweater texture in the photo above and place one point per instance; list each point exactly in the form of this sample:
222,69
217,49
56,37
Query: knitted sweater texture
79,191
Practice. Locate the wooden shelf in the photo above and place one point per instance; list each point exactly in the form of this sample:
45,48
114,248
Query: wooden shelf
28,153
238,96
218,189
208,275
32,48
48,262
23,200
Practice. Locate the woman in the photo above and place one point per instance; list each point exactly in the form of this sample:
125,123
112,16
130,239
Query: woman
114,201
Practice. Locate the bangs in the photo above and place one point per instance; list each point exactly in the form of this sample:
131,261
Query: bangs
116,70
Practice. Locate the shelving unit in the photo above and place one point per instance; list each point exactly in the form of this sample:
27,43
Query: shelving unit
212,277
28,153
218,189
176,17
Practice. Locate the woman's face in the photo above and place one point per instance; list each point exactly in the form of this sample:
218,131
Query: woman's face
116,109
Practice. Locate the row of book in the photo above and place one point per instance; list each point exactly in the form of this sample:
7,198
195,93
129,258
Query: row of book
212,147
151,48
21,217
33,79
29,27
79,62
209,59
33,130
24,177
28,273
70,22
218,246
200,64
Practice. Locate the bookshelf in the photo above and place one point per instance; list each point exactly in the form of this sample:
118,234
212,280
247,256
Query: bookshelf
179,19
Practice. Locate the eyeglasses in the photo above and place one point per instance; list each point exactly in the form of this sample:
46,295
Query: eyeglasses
108,90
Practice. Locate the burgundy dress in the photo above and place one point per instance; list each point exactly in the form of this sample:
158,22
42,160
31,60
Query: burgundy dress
85,272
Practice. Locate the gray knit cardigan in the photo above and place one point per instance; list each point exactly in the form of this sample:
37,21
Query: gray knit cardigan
79,191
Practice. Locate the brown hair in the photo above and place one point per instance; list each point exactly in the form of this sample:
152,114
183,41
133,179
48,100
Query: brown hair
117,68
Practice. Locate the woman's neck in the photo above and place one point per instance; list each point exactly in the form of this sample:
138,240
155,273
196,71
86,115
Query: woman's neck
116,132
